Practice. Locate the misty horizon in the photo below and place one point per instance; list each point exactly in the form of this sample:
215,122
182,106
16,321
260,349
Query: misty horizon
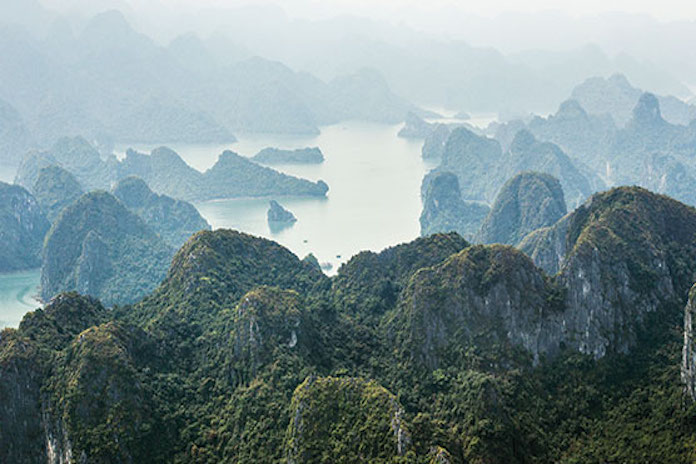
347,231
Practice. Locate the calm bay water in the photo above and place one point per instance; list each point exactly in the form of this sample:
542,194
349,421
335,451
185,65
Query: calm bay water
17,296
373,202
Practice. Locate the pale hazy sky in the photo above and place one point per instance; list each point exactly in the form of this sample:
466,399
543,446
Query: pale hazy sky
666,10
660,9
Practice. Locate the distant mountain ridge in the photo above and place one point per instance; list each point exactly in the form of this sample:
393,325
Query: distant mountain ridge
616,97
110,81
166,173
648,150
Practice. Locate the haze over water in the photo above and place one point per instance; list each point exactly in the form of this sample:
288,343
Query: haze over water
373,202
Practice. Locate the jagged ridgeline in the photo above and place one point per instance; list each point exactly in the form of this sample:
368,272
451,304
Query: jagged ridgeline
165,172
428,352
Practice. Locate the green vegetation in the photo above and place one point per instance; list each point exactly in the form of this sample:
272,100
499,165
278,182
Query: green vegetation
359,419
99,248
432,351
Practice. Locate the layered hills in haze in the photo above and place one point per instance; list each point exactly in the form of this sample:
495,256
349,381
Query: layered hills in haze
166,173
545,314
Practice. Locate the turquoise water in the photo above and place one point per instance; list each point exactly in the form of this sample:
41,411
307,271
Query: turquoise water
18,291
373,202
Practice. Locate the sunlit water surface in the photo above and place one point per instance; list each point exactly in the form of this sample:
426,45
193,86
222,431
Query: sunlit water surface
373,202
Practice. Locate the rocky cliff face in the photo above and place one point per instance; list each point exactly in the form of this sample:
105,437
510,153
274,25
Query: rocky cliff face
445,211
266,322
688,367
547,246
629,253
369,418
22,229
527,202
30,431
484,296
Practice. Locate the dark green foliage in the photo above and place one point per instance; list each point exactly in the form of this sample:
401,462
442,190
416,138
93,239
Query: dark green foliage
370,283
216,268
27,360
54,189
266,324
345,420
103,395
97,247
640,228
22,229
312,260
23,369
65,316
246,354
